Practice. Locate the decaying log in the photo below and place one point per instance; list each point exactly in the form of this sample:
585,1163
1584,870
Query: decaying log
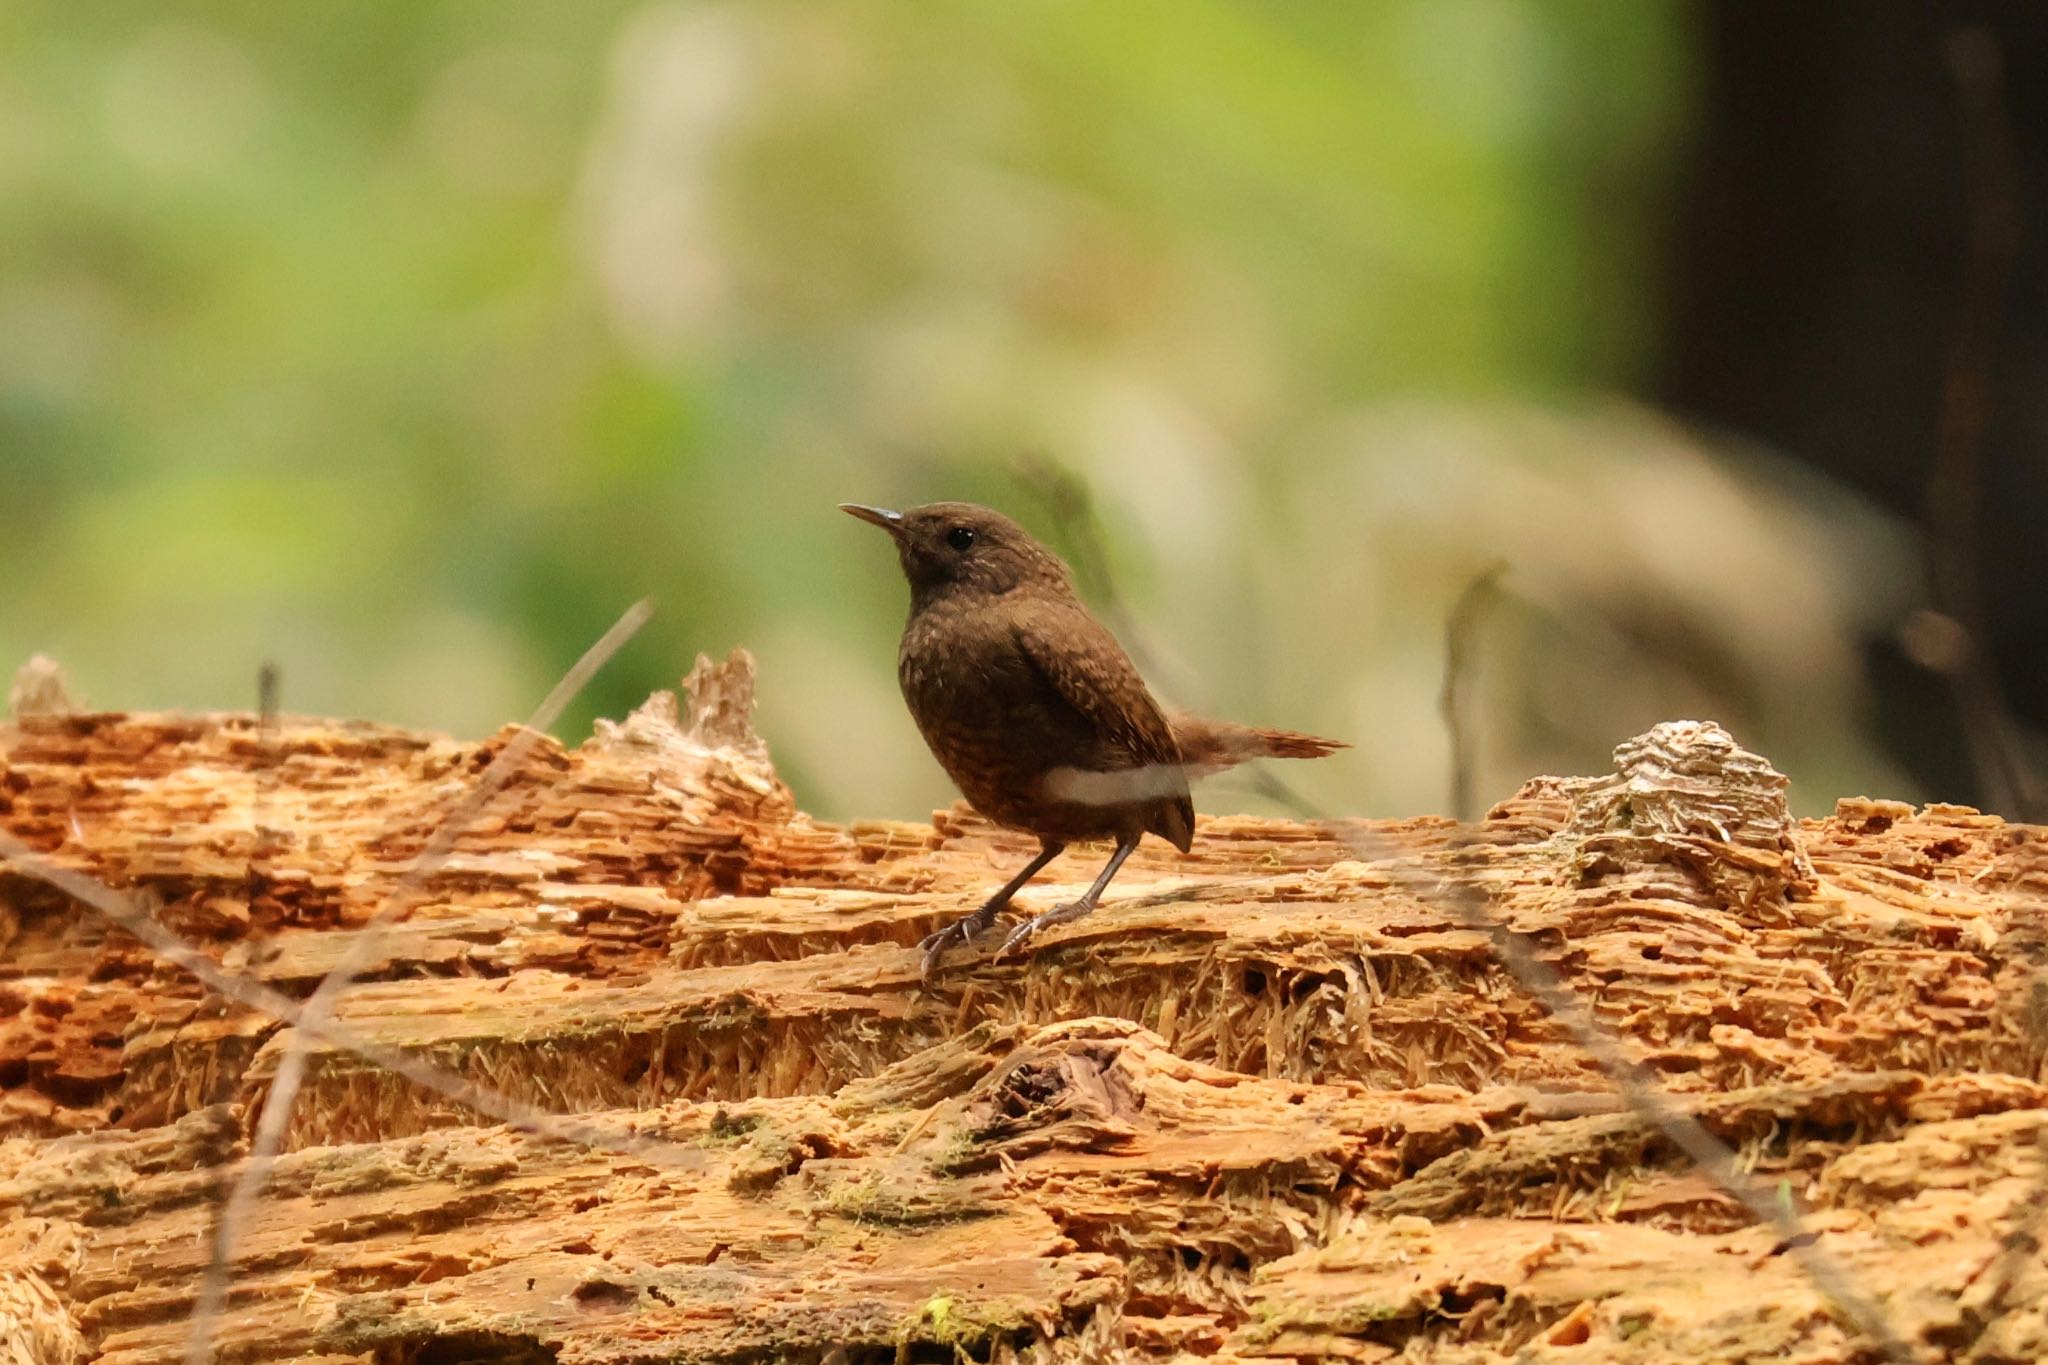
1272,1101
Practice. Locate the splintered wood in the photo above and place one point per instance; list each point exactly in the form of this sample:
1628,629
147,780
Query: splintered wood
1274,1101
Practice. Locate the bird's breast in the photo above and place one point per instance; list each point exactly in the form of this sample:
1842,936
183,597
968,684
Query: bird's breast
992,720
964,679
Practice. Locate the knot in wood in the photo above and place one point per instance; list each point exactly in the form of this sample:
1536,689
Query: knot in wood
1059,1092
1686,794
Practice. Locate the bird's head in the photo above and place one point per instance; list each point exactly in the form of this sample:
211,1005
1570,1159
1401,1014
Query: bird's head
959,546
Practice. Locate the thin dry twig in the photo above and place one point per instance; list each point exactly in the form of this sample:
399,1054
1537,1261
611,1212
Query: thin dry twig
1459,629
320,1006
1072,507
269,686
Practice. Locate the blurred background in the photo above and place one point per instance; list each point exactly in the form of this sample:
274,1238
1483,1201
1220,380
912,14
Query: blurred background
1689,357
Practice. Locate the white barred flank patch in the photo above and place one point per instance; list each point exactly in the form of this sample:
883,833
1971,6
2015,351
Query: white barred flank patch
1122,787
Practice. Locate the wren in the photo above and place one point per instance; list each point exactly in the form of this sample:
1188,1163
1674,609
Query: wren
1036,712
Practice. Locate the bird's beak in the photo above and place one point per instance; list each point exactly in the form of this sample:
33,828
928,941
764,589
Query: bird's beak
892,522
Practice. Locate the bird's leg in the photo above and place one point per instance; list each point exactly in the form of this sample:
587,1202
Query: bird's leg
964,929
1072,910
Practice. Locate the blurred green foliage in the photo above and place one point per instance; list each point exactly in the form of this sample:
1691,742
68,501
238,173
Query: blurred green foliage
406,344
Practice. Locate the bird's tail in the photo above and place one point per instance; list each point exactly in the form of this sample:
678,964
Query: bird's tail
1210,746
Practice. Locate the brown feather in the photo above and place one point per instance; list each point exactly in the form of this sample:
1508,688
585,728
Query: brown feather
1210,746
1030,704
1034,709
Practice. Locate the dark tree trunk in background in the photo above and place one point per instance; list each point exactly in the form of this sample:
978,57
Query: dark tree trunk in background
1815,271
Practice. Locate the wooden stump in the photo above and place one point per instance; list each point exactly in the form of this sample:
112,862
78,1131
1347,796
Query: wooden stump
1272,1101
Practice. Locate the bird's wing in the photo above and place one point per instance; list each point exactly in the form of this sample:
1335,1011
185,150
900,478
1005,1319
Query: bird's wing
1092,674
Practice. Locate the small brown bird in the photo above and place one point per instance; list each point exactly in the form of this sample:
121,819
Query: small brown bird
1036,712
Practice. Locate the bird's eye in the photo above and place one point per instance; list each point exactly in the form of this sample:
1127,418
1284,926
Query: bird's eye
960,538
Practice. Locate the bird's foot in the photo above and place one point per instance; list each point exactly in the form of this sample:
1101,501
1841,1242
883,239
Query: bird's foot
1059,914
961,931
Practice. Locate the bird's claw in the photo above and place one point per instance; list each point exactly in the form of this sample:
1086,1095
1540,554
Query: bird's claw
965,929
1059,914
934,945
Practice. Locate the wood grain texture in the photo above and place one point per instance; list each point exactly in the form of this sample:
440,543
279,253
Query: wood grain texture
1269,1102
